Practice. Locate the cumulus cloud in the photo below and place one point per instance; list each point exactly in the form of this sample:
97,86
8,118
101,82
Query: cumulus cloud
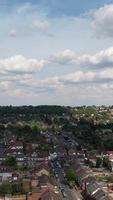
103,58
22,70
103,21
16,70
75,79
82,77
19,74
21,64
65,57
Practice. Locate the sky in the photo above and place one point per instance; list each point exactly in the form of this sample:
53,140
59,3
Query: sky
56,52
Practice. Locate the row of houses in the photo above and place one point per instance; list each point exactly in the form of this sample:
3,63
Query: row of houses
8,173
40,184
88,183
15,148
37,185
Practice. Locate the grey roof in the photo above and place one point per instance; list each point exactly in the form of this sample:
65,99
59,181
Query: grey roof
91,188
43,180
99,195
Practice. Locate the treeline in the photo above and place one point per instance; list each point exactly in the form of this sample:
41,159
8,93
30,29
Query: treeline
28,121
8,110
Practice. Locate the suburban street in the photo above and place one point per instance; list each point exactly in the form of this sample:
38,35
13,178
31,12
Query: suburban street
70,194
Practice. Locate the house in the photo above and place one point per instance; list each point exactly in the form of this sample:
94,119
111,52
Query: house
43,156
43,194
34,145
26,184
36,193
14,197
88,183
16,145
2,157
82,175
32,159
6,173
89,179
21,160
49,195
43,181
94,192
14,148
99,195
40,170
34,182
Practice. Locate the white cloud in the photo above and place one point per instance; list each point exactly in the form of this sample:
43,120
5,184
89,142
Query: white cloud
76,79
81,77
22,71
19,74
64,57
102,59
41,24
103,21
74,88
21,64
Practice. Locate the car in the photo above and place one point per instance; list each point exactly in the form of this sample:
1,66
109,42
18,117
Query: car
64,193
56,175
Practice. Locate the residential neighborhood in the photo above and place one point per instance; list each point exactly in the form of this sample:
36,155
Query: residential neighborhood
39,162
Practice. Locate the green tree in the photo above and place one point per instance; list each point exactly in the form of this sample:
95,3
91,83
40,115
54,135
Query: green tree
10,161
106,163
98,162
8,188
70,175
5,188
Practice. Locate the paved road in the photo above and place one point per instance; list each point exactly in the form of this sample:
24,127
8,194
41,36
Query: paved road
70,194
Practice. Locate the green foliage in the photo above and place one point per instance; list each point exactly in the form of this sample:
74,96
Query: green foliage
108,179
5,188
106,163
92,127
70,175
10,110
10,161
8,188
99,162
108,144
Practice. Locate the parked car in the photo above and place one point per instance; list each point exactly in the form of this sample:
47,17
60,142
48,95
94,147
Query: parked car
64,193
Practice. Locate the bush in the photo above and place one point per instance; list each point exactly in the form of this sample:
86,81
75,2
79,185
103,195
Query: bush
70,175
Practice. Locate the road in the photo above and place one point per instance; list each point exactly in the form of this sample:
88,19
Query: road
71,194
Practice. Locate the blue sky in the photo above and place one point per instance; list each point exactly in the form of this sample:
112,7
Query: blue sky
58,8
56,52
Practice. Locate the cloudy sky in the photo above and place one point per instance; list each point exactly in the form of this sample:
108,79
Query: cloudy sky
56,52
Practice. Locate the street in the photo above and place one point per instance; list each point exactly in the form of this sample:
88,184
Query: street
65,192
